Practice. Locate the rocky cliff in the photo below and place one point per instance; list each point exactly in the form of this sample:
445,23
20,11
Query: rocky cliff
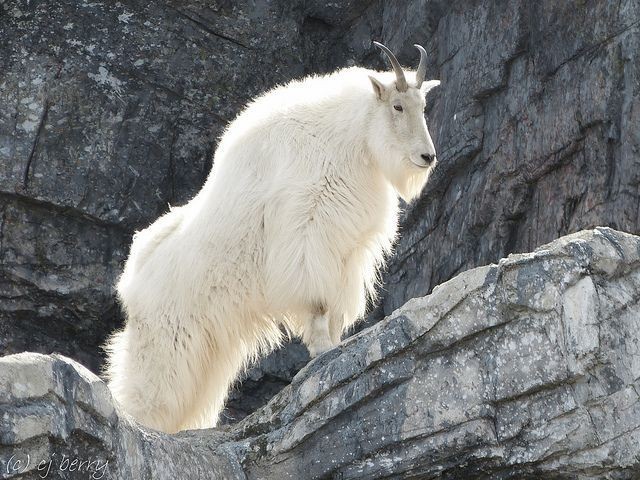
109,111
523,369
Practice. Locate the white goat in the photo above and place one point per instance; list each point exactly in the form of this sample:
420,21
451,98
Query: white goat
288,231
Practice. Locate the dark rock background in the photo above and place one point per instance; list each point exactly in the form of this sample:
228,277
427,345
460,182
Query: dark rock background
109,112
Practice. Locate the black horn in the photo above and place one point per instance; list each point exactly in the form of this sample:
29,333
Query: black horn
401,82
421,73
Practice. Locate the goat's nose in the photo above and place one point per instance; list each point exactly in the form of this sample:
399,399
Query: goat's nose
428,157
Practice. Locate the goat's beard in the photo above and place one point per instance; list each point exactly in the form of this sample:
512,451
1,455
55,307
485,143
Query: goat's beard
410,185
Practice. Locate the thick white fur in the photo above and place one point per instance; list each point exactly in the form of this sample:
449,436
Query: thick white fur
289,231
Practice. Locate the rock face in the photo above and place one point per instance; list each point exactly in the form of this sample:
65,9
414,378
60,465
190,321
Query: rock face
523,369
537,128
109,111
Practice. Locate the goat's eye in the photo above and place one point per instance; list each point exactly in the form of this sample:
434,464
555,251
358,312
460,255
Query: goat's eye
398,107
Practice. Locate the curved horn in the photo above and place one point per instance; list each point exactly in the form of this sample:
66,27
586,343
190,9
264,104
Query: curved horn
421,73
401,82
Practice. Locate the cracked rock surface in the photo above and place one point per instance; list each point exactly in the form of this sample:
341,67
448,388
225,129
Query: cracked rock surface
523,369
109,111
537,130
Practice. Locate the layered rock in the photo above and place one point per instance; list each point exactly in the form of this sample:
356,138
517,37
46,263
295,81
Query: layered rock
523,369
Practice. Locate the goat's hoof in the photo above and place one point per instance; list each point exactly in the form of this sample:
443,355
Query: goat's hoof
318,348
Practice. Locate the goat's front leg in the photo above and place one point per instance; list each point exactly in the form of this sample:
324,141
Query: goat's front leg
316,334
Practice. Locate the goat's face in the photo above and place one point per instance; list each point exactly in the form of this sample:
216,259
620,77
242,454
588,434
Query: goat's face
399,130
398,136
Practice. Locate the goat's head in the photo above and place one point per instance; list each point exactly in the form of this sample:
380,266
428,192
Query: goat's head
398,133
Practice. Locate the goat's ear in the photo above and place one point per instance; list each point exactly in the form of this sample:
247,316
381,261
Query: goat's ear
378,88
428,85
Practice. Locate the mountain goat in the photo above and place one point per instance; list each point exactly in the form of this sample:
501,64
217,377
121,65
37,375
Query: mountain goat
288,232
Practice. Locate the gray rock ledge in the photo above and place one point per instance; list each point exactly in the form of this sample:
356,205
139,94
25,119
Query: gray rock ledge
524,369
